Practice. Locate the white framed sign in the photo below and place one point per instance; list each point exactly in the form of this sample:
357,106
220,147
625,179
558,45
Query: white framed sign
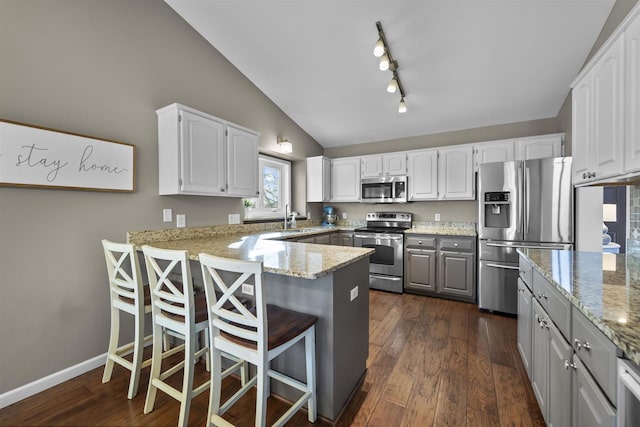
32,156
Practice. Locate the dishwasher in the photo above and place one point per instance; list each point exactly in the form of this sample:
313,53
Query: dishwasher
628,393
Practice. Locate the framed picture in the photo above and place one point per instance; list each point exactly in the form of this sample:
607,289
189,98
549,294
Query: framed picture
32,156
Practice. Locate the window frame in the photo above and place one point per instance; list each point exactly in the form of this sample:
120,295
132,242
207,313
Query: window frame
260,212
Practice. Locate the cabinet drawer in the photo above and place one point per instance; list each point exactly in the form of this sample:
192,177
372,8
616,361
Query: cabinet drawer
428,242
526,271
596,351
555,304
457,245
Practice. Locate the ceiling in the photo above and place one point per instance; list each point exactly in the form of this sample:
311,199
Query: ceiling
463,63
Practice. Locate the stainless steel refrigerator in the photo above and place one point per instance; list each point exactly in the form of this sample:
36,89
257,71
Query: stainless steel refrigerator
521,204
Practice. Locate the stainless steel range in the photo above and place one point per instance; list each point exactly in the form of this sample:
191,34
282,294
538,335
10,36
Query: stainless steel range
385,234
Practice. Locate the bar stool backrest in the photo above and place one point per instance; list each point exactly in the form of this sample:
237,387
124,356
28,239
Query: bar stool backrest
171,297
125,283
228,313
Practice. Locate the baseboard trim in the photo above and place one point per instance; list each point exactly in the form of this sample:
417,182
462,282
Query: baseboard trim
27,390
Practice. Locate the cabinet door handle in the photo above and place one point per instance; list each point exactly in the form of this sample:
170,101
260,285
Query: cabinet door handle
580,345
584,175
541,295
568,365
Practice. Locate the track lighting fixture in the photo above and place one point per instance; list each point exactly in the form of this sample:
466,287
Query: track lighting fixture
381,50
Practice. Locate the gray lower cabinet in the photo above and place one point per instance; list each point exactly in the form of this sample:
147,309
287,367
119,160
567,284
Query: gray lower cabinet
345,238
524,325
570,391
456,274
443,266
323,239
590,406
310,239
335,239
540,366
559,393
421,269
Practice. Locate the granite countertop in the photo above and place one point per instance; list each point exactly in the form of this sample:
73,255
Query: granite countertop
604,287
444,228
304,260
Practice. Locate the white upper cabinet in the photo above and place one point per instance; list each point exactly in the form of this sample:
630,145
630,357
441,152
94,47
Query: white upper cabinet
539,147
494,151
377,165
242,162
532,147
632,91
371,166
422,175
345,179
199,154
598,113
456,173
318,179
394,163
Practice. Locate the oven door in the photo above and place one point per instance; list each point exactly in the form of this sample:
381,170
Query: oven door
387,258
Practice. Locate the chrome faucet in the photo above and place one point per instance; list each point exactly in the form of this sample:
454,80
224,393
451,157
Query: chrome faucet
286,216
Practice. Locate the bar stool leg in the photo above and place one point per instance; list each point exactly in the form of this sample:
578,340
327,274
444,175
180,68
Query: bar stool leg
261,391
156,365
138,347
187,382
113,344
310,352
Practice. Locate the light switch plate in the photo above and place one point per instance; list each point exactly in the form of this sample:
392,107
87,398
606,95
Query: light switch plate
234,218
167,215
181,220
354,293
344,215
437,217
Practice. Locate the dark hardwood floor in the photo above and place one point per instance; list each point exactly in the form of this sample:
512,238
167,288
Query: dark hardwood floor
431,362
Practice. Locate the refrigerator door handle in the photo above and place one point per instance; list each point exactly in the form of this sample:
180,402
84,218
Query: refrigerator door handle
508,267
519,218
516,245
527,183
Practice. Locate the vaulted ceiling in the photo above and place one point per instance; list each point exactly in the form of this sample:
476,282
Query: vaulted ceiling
463,64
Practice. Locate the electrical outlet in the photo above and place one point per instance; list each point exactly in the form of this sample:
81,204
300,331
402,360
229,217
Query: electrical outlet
354,293
344,215
247,289
234,218
167,215
437,217
181,220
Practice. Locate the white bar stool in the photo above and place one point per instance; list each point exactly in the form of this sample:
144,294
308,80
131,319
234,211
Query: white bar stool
175,308
256,335
127,294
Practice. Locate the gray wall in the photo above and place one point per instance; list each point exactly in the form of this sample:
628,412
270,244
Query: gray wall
102,68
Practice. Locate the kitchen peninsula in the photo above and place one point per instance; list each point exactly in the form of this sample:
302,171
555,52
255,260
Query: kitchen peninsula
330,282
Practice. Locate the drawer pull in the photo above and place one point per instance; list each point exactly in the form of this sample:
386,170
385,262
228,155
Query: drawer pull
568,365
541,295
581,345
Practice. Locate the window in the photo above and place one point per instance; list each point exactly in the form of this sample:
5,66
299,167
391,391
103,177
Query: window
275,189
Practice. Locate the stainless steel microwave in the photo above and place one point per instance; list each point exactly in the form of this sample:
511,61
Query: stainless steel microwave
388,189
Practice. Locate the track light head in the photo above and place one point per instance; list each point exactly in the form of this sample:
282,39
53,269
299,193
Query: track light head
384,62
402,108
393,85
379,49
